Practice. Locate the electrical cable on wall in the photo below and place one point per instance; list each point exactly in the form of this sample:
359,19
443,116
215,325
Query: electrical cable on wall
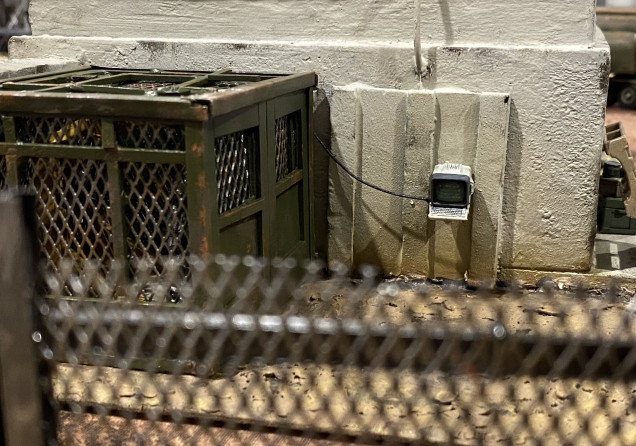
366,183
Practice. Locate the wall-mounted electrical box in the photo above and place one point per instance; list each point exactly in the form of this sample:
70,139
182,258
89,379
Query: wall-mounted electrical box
451,191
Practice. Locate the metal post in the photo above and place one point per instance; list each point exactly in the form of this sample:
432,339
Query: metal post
21,403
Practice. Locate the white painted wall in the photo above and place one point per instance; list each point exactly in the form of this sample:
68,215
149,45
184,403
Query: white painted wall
546,55
521,22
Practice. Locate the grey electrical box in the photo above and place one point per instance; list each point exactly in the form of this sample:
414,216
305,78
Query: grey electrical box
451,192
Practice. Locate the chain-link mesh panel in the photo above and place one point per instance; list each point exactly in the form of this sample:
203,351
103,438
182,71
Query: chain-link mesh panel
3,172
146,85
236,168
333,358
155,211
58,130
73,210
288,145
150,135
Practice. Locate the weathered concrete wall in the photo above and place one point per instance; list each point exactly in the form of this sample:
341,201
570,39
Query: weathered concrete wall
521,22
546,55
25,67
427,128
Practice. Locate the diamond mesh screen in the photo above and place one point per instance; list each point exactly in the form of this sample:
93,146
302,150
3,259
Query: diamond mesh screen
3,172
288,145
236,168
146,85
155,211
58,130
73,210
150,135
332,358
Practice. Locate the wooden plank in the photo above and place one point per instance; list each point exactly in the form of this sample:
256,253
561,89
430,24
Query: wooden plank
105,105
20,396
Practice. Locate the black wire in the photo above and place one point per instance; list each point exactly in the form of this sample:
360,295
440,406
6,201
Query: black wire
366,183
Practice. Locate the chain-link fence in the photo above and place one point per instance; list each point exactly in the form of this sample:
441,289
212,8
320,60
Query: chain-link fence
14,20
237,351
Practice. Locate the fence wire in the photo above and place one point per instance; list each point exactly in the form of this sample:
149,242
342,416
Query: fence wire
242,351
14,20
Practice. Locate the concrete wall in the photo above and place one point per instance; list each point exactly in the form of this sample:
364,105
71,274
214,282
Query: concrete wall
427,128
547,56
521,22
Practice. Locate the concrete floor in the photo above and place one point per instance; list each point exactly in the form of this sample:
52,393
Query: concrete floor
615,253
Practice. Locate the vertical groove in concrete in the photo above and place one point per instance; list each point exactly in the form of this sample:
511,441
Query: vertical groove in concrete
378,215
340,214
358,139
489,168
458,125
421,139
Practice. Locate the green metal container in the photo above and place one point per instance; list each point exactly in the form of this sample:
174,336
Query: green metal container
133,163
612,217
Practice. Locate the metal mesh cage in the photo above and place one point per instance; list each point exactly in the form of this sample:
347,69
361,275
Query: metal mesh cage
236,168
155,211
288,145
167,142
150,135
73,210
58,130
145,85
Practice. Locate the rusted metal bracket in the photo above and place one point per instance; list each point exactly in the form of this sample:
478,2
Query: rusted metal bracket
615,145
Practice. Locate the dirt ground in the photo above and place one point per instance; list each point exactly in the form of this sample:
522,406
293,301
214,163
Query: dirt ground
466,408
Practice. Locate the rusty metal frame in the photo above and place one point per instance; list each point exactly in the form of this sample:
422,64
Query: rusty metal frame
88,92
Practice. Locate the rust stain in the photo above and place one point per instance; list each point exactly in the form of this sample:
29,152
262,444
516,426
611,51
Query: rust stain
205,249
201,180
202,217
197,149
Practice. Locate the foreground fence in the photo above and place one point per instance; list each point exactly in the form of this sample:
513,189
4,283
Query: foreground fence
231,354
13,20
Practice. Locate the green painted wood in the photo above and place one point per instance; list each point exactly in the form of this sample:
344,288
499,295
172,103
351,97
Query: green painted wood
115,186
212,226
268,177
13,162
197,189
250,208
105,105
274,222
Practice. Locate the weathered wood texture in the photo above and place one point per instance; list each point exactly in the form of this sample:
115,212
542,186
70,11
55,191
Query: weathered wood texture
20,397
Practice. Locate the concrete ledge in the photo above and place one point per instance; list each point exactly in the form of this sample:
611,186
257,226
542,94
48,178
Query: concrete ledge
594,279
24,67
449,21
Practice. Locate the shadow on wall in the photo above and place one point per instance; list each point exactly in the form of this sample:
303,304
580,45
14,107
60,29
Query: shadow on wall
322,128
511,185
370,240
